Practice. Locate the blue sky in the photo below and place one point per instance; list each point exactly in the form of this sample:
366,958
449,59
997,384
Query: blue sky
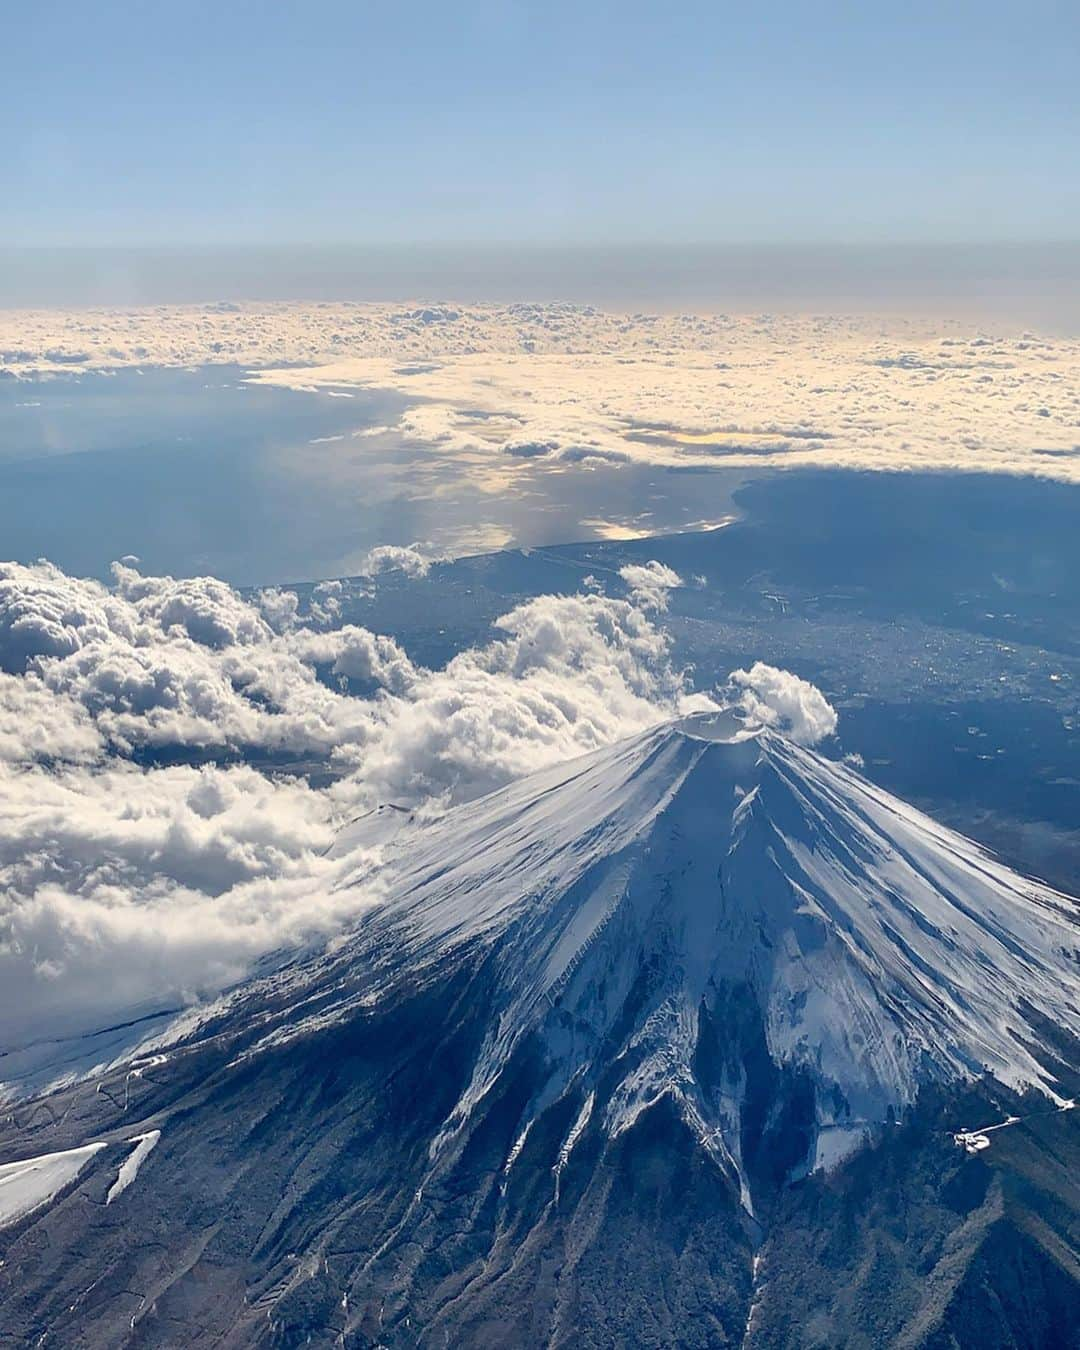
358,122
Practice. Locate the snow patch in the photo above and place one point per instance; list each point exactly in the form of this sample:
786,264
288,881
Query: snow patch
31,1183
576,1131
129,1169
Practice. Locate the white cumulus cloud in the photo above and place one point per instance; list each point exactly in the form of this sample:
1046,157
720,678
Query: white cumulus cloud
414,560
650,582
776,698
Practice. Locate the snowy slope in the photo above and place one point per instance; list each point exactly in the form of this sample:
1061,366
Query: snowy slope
626,899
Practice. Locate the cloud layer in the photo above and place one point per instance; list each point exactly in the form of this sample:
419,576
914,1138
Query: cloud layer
505,391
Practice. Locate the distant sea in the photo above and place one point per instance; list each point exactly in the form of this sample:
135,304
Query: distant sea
197,471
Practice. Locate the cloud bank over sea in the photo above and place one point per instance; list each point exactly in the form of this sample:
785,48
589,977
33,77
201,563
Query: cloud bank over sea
497,390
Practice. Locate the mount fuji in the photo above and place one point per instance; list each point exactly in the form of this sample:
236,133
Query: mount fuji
699,1040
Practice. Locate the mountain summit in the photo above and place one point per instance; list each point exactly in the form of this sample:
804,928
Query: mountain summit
613,1052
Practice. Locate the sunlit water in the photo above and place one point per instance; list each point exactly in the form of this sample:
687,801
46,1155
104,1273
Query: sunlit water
197,471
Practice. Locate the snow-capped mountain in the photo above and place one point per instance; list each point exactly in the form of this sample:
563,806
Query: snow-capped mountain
597,1030
880,949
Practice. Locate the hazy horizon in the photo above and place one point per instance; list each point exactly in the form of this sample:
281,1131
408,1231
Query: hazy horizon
1036,284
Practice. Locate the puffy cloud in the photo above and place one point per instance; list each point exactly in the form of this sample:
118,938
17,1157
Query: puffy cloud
155,663
280,608
36,724
159,662
41,614
324,605
569,674
129,885
356,653
650,582
777,698
129,890
414,560
204,609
